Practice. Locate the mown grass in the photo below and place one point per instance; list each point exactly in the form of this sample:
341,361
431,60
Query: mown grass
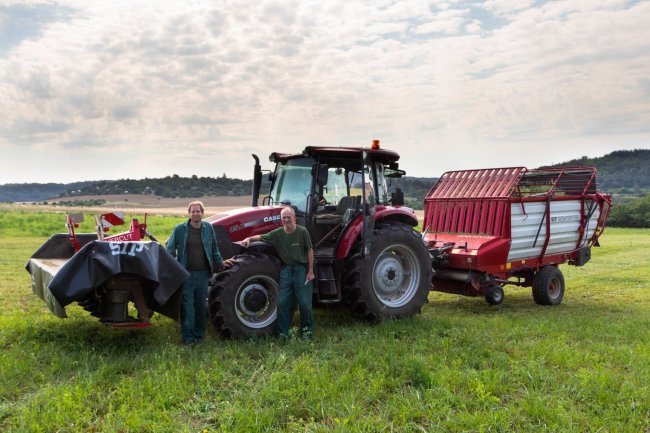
20,223
461,366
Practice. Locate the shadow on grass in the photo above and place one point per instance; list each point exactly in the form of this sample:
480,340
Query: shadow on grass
84,334
519,302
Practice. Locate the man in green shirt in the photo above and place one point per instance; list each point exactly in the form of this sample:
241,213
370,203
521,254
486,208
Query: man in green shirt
293,244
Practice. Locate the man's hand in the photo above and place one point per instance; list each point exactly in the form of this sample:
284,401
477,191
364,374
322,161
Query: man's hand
229,262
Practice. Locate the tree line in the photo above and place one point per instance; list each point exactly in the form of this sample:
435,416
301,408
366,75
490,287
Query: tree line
169,187
625,174
635,213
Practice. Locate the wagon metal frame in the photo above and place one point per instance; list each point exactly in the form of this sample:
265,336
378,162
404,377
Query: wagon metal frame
486,226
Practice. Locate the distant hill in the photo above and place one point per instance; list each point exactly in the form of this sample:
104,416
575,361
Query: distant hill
624,173
170,187
414,189
167,187
17,192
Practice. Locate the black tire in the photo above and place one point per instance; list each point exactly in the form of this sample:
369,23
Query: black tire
393,281
494,294
548,286
242,300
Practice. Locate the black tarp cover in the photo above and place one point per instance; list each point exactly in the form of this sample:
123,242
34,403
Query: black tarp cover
97,261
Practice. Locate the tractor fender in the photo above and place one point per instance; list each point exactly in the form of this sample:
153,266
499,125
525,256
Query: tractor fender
384,215
259,248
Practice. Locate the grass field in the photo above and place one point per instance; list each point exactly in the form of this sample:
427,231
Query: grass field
460,366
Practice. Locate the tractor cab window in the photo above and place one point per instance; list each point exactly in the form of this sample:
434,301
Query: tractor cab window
382,191
292,184
369,186
336,186
363,188
379,195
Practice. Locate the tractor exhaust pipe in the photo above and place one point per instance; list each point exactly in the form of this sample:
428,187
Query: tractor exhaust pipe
257,181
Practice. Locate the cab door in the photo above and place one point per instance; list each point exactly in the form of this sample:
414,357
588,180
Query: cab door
368,202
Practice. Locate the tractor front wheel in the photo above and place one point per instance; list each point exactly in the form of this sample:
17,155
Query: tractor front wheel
393,281
548,286
242,300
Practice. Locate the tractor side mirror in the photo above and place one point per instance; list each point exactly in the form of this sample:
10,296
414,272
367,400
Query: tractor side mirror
321,174
397,197
394,172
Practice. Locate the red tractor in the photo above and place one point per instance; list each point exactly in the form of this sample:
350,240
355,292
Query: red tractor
366,250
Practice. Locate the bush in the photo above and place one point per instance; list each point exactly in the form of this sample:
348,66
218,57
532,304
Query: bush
635,214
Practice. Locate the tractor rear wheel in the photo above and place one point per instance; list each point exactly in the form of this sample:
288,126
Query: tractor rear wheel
242,300
548,286
393,281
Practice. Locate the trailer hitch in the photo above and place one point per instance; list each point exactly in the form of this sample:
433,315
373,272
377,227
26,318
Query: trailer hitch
439,257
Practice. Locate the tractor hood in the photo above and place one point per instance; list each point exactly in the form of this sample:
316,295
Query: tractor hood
239,224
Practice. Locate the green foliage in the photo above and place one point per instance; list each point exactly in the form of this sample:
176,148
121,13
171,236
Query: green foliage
45,224
170,186
414,189
620,172
461,366
635,213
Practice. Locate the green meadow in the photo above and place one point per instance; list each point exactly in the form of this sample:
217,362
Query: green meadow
460,366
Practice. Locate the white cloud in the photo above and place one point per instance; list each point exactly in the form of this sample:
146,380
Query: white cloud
448,22
197,87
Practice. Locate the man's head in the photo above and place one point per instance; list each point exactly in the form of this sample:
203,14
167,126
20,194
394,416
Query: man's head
195,210
288,219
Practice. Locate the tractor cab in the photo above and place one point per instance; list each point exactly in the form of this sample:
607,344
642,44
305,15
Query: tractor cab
332,187
337,194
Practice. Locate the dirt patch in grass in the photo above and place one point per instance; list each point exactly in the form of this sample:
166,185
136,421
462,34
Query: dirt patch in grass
150,204
141,203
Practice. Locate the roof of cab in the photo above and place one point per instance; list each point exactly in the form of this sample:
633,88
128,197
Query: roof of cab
338,155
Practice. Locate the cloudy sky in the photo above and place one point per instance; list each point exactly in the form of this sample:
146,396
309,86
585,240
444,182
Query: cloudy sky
132,89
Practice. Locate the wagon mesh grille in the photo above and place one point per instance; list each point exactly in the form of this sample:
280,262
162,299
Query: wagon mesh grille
477,201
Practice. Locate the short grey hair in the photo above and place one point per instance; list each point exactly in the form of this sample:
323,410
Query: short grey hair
288,209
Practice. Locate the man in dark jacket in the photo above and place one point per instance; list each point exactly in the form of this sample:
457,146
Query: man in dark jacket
194,245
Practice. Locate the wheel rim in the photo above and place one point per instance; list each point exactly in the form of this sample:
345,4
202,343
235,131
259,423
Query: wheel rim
396,276
554,287
255,302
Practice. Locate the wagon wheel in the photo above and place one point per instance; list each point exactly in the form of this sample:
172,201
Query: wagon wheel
494,294
548,286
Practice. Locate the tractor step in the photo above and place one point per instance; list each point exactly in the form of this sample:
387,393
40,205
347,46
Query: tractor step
327,290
